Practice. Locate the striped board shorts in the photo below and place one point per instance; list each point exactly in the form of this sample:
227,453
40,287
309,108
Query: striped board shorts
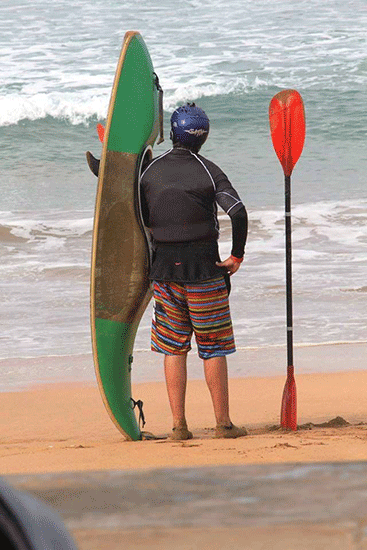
183,308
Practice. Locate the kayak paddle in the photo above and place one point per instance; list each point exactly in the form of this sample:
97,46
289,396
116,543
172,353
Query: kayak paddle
288,129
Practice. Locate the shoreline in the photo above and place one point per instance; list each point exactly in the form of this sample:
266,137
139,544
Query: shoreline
22,373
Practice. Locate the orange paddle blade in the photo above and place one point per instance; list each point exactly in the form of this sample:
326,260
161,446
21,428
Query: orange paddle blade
100,130
288,414
287,127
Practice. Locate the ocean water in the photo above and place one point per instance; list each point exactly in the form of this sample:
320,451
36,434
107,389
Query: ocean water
57,64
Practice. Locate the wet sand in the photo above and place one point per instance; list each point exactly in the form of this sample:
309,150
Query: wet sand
65,427
272,488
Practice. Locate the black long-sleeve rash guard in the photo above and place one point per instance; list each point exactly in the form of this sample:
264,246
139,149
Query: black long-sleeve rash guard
180,193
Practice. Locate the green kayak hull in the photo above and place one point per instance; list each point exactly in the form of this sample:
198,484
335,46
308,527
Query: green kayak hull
120,288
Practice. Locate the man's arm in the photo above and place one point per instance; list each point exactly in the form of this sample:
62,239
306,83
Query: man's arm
239,236
228,199
239,232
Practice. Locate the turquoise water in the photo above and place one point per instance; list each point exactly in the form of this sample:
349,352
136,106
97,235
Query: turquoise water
231,58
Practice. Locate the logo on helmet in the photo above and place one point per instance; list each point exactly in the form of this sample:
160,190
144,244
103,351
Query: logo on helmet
198,132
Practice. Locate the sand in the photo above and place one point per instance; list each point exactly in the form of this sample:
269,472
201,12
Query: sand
64,426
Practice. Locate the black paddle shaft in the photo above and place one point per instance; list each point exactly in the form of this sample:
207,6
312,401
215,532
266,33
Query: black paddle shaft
288,248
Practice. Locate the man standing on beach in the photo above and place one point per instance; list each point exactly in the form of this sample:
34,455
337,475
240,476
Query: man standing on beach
180,193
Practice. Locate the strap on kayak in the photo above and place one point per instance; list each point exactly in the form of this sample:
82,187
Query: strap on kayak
160,99
139,404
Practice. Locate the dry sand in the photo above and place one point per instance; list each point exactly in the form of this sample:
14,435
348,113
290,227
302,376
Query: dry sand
64,427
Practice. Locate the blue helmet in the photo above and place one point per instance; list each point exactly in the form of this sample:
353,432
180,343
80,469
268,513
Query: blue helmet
189,126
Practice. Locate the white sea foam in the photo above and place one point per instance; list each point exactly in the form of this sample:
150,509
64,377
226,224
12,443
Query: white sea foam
317,228
325,224
54,223
61,62
76,107
47,271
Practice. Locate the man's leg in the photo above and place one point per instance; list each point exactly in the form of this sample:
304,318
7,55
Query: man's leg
216,376
171,335
211,320
175,371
